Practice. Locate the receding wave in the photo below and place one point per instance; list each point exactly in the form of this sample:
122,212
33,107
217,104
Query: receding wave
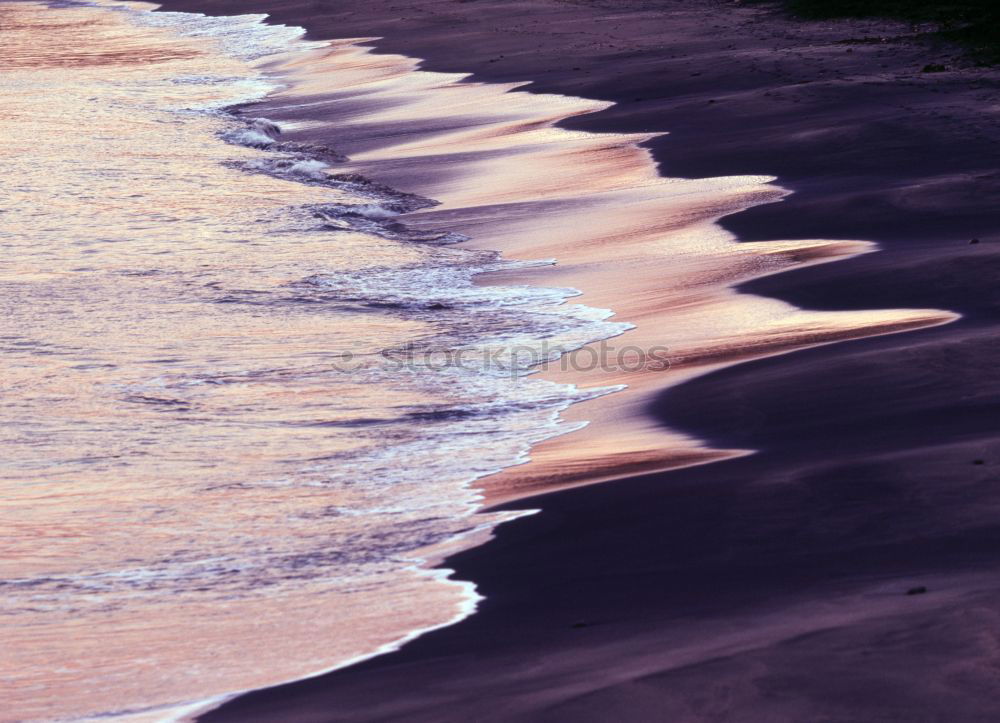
246,397
249,389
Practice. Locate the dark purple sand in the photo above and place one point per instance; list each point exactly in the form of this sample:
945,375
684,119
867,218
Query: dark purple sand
772,587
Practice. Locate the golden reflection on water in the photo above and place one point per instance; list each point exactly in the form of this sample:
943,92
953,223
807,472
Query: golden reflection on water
186,508
178,523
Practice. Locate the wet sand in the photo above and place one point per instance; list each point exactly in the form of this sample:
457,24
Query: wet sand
646,246
770,586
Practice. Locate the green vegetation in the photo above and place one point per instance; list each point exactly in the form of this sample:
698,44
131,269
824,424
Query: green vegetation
973,23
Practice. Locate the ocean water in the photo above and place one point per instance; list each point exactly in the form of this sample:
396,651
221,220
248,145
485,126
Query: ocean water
243,401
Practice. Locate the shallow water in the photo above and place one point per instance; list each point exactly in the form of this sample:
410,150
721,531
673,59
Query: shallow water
233,419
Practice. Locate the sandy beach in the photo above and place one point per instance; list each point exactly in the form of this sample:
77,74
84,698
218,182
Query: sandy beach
835,560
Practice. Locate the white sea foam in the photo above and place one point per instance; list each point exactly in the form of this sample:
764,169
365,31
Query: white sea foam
198,401
249,137
368,210
258,133
266,127
309,168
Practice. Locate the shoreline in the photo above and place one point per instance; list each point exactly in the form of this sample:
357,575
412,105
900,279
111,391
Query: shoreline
586,211
529,566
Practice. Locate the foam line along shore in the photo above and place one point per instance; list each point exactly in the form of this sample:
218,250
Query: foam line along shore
634,598
503,174
649,247
220,347
775,584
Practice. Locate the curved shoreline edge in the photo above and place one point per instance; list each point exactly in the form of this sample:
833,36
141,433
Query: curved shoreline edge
649,247
757,365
